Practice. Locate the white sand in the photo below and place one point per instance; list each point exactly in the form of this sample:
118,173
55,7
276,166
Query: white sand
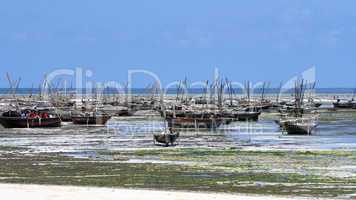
38,192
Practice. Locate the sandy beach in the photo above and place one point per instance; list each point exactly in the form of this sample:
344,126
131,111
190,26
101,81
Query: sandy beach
41,192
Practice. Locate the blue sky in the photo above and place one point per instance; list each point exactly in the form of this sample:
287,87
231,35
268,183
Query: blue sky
247,40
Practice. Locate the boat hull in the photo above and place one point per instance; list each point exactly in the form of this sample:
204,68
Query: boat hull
16,122
91,120
248,116
297,129
166,138
201,123
348,105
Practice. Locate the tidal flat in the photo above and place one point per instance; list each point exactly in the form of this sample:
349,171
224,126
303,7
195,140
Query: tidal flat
317,174
252,158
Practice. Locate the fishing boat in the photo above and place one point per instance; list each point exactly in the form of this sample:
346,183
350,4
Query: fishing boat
351,104
346,103
317,104
296,122
248,115
91,118
166,138
125,113
42,119
194,122
299,126
240,115
192,119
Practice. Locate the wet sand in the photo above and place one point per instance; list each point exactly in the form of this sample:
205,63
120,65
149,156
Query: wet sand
335,132
40,192
254,158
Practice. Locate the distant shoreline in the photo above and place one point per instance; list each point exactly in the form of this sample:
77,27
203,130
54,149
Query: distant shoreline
23,91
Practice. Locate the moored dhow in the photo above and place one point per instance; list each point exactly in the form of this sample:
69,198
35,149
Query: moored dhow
166,138
295,122
29,119
194,122
91,118
351,104
299,126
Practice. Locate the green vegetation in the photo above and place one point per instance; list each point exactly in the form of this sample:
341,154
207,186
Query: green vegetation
206,169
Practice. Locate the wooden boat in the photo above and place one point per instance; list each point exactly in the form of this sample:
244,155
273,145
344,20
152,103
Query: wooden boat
192,122
299,126
317,105
232,115
345,105
91,119
13,119
248,116
192,119
295,121
125,112
166,138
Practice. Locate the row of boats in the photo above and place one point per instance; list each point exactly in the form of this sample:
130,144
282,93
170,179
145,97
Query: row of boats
295,117
177,114
46,118
299,115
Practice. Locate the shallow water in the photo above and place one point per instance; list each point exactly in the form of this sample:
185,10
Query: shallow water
124,133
